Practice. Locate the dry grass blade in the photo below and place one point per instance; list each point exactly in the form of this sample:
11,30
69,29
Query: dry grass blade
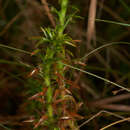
40,121
110,99
35,96
99,113
116,107
117,122
101,78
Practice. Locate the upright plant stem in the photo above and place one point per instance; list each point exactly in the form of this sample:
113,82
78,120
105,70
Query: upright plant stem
60,66
50,90
49,100
62,15
62,19
49,95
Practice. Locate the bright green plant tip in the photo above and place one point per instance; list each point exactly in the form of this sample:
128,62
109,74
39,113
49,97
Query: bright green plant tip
62,15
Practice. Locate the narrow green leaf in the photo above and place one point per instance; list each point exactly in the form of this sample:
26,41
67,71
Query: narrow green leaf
15,49
113,22
44,32
69,43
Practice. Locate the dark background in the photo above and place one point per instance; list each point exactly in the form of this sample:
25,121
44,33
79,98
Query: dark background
21,19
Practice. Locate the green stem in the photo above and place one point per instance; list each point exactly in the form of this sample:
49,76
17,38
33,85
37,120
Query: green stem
62,19
49,94
50,55
49,100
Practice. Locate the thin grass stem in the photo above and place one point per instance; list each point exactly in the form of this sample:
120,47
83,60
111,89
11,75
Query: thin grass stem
94,75
99,113
103,46
15,49
114,123
113,22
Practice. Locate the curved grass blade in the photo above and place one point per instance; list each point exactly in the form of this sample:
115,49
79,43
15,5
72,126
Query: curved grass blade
103,46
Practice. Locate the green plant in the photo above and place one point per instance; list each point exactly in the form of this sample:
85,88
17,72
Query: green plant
57,101
52,99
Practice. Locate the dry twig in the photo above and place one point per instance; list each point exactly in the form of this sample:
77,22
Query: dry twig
91,22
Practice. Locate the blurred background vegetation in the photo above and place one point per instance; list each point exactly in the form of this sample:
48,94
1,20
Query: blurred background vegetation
20,21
